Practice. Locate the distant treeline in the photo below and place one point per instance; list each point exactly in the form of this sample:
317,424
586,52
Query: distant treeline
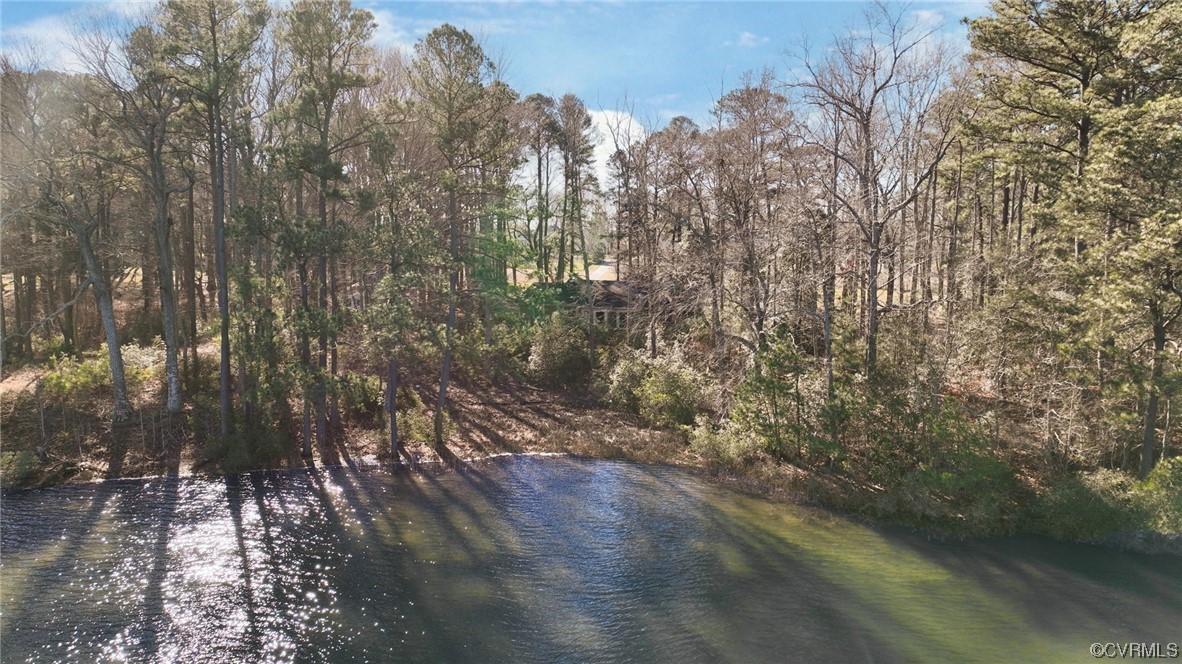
940,265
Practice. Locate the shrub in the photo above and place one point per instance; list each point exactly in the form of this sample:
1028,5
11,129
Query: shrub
360,394
671,393
727,444
1102,502
972,488
251,449
624,380
415,423
71,379
18,468
558,354
666,391
1088,506
783,400
1160,495
505,358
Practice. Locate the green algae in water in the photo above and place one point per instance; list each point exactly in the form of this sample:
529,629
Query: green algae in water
538,560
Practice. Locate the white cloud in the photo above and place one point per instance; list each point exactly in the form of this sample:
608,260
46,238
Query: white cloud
392,31
613,127
54,41
927,18
130,8
751,40
50,42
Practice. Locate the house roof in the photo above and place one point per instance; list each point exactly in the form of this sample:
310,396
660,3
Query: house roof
615,295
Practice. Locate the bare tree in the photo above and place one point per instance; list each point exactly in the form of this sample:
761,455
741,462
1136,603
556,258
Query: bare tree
885,85
139,102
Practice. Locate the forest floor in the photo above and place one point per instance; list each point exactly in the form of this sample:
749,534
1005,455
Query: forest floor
46,441
48,444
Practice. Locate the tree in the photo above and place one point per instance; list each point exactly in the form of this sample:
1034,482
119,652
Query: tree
576,142
541,128
131,73
885,85
73,188
755,123
1132,222
206,44
457,97
1086,80
328,45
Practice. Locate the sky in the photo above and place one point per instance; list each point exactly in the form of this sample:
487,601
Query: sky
650,60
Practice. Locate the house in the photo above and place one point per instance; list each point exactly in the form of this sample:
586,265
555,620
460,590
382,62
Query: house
614,300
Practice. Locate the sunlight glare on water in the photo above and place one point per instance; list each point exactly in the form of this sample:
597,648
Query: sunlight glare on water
535,560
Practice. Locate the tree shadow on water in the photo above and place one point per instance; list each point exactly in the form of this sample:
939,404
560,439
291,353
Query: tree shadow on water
32,521
234,503
152,617
1065,589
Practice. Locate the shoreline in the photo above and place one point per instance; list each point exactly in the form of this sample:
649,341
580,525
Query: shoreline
488,422
1145,542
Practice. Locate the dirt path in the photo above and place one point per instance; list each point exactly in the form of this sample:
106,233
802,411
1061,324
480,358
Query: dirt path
21,380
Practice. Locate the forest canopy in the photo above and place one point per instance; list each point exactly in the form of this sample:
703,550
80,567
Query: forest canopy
953,278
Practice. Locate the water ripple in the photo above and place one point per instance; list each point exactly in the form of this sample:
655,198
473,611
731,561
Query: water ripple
533,560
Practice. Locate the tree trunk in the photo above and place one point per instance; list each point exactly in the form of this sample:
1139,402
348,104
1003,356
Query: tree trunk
562,233
305,354
335,405
167,305
453,215
17,341
189,248
392,408
102,295
69,329
146,288
590,289
872,299
322,357
167,293
219,249
3,332
1150,430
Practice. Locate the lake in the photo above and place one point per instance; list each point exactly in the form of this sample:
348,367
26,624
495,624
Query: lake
537,559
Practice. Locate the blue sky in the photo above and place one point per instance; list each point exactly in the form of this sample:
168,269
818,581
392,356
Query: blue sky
666,58
655,60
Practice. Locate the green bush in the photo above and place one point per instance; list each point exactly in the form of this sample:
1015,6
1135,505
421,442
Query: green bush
727,444
70,379
1093,504
972,488
624,380
18,468
505,358
415,422
1160,496
1088,506
671,394
666,391
360,394
558,355
251,449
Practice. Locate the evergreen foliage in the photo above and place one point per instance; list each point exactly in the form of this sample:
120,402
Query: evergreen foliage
951,285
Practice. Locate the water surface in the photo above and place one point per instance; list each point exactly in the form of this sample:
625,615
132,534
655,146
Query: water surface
537,560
